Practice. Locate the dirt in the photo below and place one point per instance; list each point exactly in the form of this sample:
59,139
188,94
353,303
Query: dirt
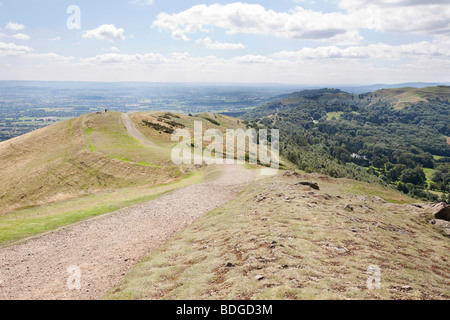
106,248
132,131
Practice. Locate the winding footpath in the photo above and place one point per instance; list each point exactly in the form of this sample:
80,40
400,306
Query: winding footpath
100,251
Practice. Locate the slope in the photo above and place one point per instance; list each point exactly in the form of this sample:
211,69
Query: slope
73,158
89,166
281,239
389,136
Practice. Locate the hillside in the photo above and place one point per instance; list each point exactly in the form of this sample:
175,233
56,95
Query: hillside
405,96
91,165
295,235
283,240
396,136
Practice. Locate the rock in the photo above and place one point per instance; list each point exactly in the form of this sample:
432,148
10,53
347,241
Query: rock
230,265
259,277
406,288
313,185
441,211
348,207
290,174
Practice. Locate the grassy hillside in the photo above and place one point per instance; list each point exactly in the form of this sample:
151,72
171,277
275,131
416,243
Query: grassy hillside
76,157
282,240
405,96
89,166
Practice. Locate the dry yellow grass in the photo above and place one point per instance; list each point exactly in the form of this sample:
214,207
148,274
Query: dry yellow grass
85,167
301,244
75,158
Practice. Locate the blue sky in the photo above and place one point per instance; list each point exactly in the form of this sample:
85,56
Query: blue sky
287,41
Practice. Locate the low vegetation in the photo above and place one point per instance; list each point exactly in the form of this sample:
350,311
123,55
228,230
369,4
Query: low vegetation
283,240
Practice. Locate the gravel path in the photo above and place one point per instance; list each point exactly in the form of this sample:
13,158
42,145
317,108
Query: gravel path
132,131
105,248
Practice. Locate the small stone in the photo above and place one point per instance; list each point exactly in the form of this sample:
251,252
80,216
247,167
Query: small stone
407,288
230,265
348,207
259,277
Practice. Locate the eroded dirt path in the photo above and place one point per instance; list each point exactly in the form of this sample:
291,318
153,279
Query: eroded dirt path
105,248
132,131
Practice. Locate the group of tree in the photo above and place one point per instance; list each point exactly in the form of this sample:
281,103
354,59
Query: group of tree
365,139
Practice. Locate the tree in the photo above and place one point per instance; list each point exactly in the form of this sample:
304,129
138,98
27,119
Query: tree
395,173
415,176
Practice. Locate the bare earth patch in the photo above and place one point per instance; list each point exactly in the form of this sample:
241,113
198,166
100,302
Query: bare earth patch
106,248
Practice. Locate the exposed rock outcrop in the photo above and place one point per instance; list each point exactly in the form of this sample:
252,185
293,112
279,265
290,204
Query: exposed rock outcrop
441,211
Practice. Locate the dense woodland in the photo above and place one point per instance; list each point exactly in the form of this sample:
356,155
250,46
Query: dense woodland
369,137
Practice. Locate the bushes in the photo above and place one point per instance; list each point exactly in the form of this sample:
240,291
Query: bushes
212,121
158,127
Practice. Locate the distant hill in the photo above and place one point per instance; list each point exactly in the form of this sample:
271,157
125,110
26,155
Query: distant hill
376,87
339,133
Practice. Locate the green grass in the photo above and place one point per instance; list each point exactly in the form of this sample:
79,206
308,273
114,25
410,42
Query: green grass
336,115
139,163
89,132
110,137
391,196
428,173
35,220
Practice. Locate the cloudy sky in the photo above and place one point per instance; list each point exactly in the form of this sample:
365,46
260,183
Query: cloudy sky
283,41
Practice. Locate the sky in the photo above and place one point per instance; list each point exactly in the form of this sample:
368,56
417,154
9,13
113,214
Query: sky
311,42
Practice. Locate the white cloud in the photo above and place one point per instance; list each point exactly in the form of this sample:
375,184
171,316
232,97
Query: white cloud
21,36
111,49
408,16
340,27
208,43
106,32
13,26
372,51
12,49
50,57
142,2
125,59
388,3
252,59
246,18
421,61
